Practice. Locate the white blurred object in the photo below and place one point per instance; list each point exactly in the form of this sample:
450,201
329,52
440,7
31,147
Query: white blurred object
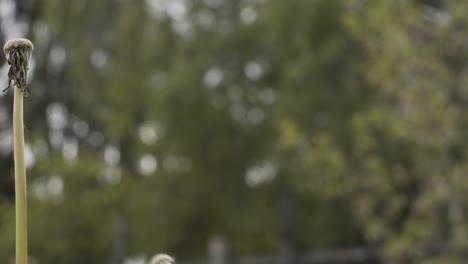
162,259
217,250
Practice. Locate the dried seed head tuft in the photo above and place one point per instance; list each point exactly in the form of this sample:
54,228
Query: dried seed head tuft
19,43
18,53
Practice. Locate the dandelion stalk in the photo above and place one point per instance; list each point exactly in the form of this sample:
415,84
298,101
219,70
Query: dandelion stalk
18,52
20,181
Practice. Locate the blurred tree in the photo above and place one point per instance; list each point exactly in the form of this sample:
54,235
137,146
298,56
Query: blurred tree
407,155
292,125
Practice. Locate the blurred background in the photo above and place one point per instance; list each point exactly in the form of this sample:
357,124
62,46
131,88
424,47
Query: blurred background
241,131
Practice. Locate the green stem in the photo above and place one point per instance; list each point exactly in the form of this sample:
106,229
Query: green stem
20,180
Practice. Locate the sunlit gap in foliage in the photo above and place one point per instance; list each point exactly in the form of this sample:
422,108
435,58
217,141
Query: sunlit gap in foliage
213,77
248,14
112,174
99,58
70,149
246,104
149,133
260,173
48,188
206,19
58,120
176,9
148,164
57,59
253,70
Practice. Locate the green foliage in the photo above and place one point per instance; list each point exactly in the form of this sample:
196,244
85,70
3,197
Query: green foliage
198,120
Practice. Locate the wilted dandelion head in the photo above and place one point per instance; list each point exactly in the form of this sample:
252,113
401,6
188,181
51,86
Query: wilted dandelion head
18,53
19,43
